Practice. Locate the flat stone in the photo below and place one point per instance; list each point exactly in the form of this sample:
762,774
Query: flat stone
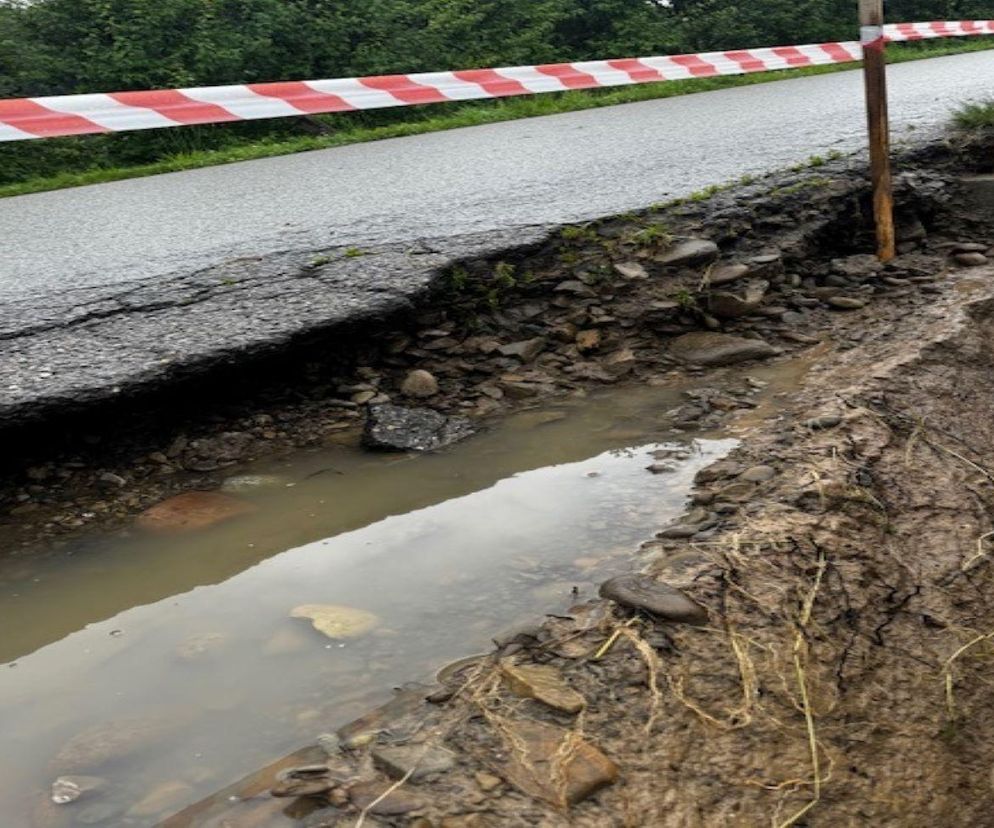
857,267
418,760
393,428
970,247
541,767
420,384
708,348
970,259
191,511
643,592
631,270
689,252
337,622
487,781
758,474
397,802
543,683
844,303
726,274
726,305
526,350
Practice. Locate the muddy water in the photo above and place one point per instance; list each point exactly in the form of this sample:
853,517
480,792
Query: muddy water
169,667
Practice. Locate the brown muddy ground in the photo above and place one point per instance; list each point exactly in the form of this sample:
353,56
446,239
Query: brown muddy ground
842,675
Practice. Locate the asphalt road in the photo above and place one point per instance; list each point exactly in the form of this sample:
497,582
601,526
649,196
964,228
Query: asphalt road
537,171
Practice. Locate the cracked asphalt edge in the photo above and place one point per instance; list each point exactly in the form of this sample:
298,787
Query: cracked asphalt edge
84,347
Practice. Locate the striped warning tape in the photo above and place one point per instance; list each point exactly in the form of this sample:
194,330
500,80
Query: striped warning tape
27,118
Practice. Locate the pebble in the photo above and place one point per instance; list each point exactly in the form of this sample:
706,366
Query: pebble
631,270
824,421
970,259
845,303
758,474
646,593
689,252
420,384
726,274
417,759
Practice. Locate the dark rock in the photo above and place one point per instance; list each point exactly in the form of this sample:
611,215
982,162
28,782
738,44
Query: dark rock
525,350
644,592
309,780
825,421
707,348
857,267
393,428
970,259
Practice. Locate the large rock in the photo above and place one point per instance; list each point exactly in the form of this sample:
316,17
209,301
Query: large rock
192,510
555,765
643,592
689,252
707,348
393,428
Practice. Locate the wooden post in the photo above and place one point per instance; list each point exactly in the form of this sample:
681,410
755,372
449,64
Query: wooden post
871,20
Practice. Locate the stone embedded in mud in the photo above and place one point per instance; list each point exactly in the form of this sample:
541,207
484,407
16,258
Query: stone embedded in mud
643,592
393,428
307,780
420,384
543,683
824,421
526,350
191,511
418,760
397,802
555,765
726,274
845,303
707,348
631,270
689,252
758,474
726,305
970,259
337,622
858,267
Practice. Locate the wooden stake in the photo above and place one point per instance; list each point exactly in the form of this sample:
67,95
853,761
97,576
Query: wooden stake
871,19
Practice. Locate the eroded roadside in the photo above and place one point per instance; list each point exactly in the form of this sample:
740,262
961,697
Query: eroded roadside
810,648
557,312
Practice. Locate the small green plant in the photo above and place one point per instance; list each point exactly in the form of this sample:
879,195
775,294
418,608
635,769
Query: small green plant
504,275
354,253
655,235
685,299
318,261
576,233
747,179
706,193
975,115
458,279
835,155
816,161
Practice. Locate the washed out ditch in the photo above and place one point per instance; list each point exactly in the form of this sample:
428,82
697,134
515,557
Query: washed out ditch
695,504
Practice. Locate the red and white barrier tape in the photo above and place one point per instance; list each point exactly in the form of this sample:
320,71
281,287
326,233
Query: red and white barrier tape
27,118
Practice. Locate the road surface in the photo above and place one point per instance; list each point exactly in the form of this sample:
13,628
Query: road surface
84,255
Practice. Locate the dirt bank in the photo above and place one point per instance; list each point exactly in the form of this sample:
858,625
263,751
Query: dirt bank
834,571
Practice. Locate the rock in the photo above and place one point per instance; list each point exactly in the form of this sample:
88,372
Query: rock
487,781
191,511
329,743
758,474
337,622
824,421
689,252
307,780
644,592
588,340
631,270
619,363
858,267
252,483
526,350
199,645
420,384
845,303
105,743
543,683
970,259
68,789
731,306
112,481
333,818
467,821
726,274
419,760
398,802
363,397
163,798
969,247
707,348
542,766
392,428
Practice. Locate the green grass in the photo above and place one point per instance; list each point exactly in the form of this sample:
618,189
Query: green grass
454,116
975,115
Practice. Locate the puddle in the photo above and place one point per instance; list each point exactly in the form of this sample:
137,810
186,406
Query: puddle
171,666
